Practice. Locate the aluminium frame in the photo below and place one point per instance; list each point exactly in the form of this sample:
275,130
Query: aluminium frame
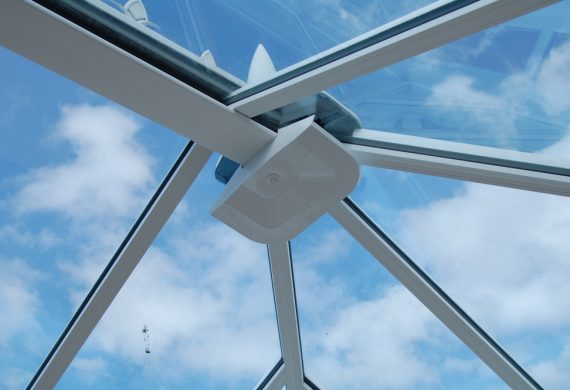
371,237
227,130
455,160
155,215
416,33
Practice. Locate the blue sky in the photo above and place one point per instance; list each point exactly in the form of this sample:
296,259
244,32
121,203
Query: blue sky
77,169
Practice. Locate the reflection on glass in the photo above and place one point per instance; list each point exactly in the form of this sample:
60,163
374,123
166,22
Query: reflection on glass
504,87
75,172
361,329
501,254
292,30
128,26
197,312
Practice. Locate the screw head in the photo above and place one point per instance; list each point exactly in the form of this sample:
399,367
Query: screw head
272,178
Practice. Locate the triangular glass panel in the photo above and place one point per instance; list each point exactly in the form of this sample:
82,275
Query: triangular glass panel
197,312
501,254
503,87
75,171
233,29
361,328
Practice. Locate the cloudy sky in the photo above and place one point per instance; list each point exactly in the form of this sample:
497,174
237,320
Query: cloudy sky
77,169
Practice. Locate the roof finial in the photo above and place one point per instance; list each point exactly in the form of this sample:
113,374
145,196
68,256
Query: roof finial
208,59
261,65
136,10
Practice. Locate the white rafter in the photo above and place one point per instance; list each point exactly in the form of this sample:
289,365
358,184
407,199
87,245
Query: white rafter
126,259
58,44
454,25
286,308
505,168
277,380
428,293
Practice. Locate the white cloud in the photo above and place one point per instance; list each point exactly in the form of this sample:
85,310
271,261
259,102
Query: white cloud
496,111
43,239
17,102
367,344
207,300
205,291
553,80
19,302
205,294
462,365
98,190
509,245
362,340
349,19
14,378
327,246
555,372
107,173
494,115
503,255
90,370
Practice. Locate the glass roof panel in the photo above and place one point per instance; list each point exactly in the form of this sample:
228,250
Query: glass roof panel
210,45
361,328
501,254
204,293
75,172
291,30
504,87
484,90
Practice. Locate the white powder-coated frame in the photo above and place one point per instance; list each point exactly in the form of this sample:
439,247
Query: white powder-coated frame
54,42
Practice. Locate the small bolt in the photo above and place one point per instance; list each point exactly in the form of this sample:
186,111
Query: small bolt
272,178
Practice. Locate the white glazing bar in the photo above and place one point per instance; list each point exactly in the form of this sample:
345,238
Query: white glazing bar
276,382
286,308
310,384
454,25
127,257
462,170
467,152
54,42
426,291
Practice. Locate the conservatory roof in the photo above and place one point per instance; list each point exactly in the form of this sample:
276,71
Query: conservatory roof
434,133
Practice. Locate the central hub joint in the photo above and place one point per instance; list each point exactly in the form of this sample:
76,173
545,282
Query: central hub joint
272,178
288,185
